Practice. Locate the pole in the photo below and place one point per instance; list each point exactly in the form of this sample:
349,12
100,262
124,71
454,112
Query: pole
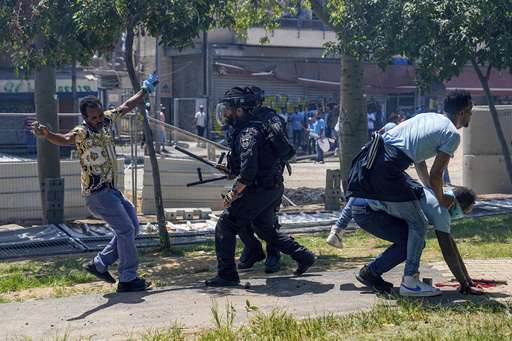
158,93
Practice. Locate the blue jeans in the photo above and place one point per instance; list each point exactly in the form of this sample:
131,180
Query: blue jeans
319,153
386,227
116,210
417,223
346,214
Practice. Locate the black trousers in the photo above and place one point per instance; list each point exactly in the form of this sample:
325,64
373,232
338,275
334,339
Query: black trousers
256,206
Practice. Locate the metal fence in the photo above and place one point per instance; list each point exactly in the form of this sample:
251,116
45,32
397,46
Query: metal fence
20,199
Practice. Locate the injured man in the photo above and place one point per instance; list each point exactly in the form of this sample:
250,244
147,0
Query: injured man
370,217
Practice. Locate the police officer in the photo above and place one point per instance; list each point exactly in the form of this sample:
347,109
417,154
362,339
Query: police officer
253,250
257,191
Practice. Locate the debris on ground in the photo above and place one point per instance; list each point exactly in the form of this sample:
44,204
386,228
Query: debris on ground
304,196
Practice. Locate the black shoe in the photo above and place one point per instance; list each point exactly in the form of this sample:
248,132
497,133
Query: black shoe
221,282
272,265
104,276
138,284
249,258
165,151
304,264
375,282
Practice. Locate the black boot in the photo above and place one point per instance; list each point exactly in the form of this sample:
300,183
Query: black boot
221,282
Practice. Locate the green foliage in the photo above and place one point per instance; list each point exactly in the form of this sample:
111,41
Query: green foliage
45,32
55,32
440,36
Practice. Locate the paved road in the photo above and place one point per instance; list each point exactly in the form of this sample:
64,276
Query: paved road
119,316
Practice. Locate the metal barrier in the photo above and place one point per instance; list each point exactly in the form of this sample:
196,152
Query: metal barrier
19,185
37,241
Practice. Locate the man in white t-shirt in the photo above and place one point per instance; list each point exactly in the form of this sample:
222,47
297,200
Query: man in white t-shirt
371,123
200,121
378,171
163,132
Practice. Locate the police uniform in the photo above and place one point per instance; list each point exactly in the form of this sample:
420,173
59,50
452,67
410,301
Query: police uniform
251,159
253,250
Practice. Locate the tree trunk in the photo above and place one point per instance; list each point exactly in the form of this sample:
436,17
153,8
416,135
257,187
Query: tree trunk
353,121
164,235
495,118
48,154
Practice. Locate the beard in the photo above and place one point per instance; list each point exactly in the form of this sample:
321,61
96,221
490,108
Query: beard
230,120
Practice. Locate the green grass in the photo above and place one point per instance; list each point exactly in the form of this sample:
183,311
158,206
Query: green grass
25,275
397,319
484,238
402,319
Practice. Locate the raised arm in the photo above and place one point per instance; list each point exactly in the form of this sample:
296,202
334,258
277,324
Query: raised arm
147,88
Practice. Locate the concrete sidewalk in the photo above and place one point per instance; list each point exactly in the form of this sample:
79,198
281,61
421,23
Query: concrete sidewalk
115,316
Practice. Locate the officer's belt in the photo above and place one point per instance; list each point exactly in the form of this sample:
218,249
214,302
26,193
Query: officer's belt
269,180
365,209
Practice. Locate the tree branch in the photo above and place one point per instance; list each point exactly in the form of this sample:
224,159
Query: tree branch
318,9
488,75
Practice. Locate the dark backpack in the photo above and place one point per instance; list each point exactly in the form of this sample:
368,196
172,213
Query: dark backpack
273,127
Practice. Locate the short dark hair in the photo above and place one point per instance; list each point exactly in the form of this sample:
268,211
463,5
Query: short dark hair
456,101
465,196
89,102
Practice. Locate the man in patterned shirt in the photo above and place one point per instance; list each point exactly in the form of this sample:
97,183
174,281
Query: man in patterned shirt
95,142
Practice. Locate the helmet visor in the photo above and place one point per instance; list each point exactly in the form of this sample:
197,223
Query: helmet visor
219,114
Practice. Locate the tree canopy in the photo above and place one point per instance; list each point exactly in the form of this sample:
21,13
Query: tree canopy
46,32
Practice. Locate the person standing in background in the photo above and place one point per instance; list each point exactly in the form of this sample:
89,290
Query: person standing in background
320,131
296,120
371,124
163,132
200,121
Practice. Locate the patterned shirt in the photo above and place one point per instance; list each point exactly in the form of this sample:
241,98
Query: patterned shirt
97,154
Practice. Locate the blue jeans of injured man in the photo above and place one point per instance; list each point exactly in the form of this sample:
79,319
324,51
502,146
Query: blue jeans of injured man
119,213
386,227
417,223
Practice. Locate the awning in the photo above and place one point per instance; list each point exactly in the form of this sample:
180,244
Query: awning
500,83
324,75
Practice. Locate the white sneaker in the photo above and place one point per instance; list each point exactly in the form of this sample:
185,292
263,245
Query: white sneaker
334,238
412,287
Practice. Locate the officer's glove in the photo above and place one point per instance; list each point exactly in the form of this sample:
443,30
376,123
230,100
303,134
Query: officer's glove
225,170
230,196
149,84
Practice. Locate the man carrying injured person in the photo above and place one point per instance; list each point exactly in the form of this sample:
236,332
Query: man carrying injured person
378,172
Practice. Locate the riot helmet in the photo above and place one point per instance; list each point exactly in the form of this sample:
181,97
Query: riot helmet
237,97
259,94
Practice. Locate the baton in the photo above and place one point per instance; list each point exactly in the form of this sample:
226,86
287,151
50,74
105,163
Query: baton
205,181
198,158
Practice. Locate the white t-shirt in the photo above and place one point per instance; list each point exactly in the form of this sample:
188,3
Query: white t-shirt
201,118
371,119
423,136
